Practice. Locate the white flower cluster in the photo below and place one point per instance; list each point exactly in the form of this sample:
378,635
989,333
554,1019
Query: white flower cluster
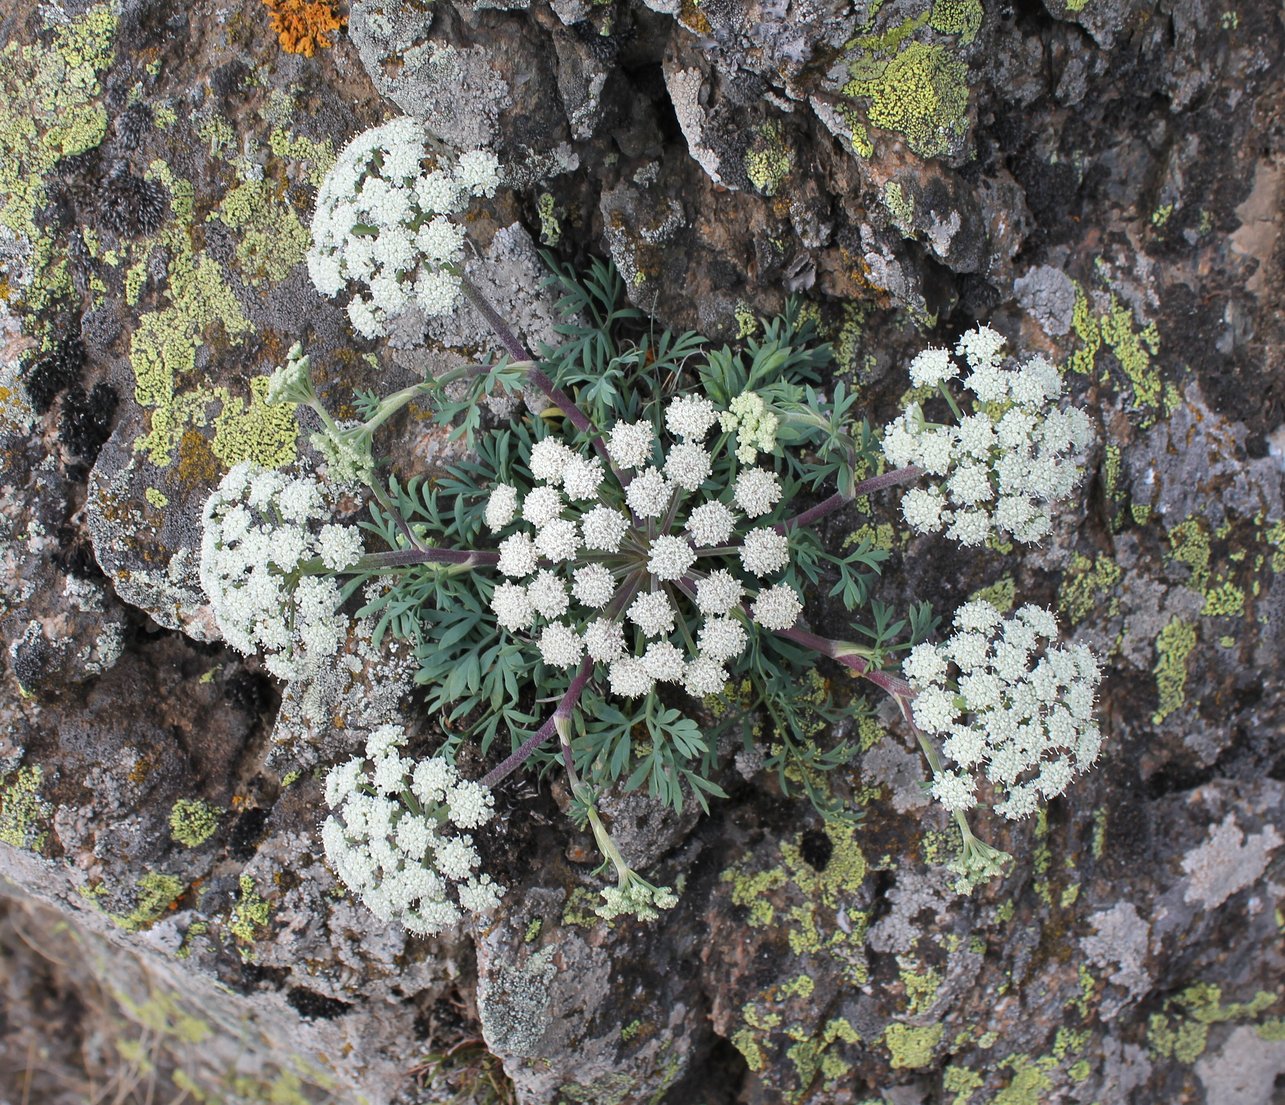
1015,710
570,558
383,222
258,534
754,425
393,837
1002,467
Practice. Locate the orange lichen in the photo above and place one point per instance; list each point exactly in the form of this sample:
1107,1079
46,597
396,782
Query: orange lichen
302,26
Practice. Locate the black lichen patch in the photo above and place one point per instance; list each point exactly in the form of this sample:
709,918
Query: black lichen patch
130,205
247,831
132,125
313,1006
87,420
55,372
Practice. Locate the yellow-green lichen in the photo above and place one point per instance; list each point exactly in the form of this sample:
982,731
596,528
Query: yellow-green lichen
156,497
266,433
911,1046
1173,646
812,1055
315,158
900,206
1181,1032
1085,585
921,93
1001,594
963,1082
1132,347
1030,1084
193,821
957,17
155,893
550,227
921,984
24,814
769,160
250,913
270,239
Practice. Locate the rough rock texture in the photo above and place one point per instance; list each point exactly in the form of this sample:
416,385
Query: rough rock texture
1102,180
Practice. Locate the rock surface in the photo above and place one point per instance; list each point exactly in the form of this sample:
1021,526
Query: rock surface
1102,180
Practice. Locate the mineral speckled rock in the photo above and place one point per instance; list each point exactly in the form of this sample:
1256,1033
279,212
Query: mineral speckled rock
1100,181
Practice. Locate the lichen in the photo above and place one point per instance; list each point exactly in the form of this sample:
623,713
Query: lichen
303,26
249,913
1084,586
193,821
1030,1084
769,160
266,433
1173,645
957,17
270,239
1181,1031
921,93
911,1046
155,893
963,1082
24,814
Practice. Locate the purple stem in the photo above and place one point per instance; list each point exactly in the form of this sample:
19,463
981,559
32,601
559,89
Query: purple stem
826,647
837,500
405,558
563,711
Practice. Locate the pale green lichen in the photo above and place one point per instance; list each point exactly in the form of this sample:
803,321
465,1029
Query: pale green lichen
155,893
270,239
1086,584
1173,646
156,497
921,93
769,160
550,227
1030,1084
249,914
963,1082
1181,1032
900,206
957,17
24,814
193,821
266,433
911,1046
1002,594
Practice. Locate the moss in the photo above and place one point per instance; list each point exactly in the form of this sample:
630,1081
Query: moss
1084,586
911,1046
630,1030
24,815
769,160
155,894
1173,647
193,821
250,913
963,1082
957,17
921,93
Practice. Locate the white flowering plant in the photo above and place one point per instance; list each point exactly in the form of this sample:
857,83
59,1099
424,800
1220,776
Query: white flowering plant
611,569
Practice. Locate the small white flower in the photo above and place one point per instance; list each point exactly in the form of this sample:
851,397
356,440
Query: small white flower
340,546
931,367
629,677
648,494
670,558
560,646
652,613
512,608
517,556
777,607
690,417
604,640
688,466
704,676
757,491
541,505
557,540
764,551
603,528
710,524
630,444
593,585
549,460
478,172
718,593
548,594
501,507
922,507
722,638
581,478
664,662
